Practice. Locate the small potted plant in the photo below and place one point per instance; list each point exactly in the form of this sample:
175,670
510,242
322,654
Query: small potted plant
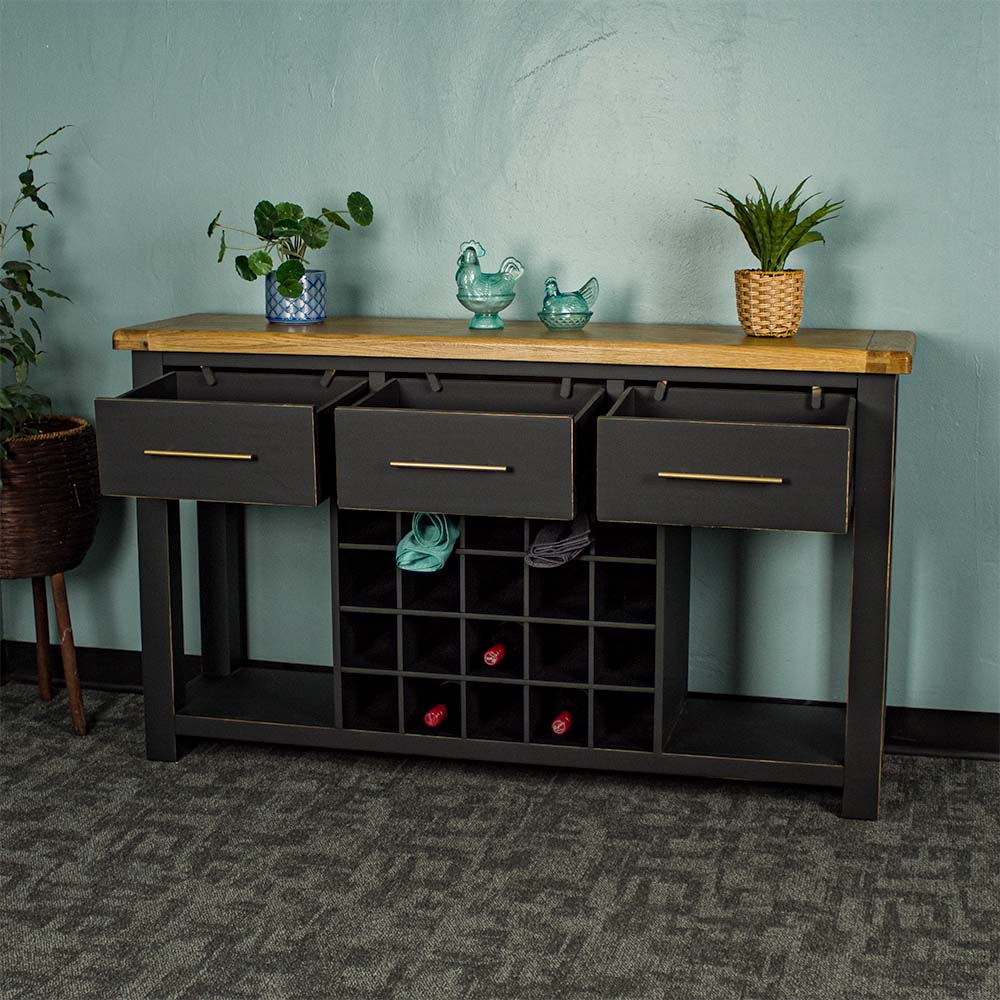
292,294
769,299
49,487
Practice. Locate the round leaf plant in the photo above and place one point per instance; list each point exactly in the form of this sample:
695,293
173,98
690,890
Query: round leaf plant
285,231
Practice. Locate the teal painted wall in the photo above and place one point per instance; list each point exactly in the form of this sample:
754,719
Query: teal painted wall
576,137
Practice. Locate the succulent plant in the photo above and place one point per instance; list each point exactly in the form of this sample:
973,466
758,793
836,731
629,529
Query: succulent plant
771,226
285,230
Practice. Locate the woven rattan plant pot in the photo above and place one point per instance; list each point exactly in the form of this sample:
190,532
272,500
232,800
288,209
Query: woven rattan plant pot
50,498
769,303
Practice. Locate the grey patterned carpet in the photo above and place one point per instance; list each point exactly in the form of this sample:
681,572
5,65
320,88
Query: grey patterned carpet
279,874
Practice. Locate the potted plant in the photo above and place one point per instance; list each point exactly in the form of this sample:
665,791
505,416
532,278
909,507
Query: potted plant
292,293
769,299
49,487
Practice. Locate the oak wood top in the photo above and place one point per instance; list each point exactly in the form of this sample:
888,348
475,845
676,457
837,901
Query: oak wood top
661,345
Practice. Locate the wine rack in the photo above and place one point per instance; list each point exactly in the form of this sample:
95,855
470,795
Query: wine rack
581,637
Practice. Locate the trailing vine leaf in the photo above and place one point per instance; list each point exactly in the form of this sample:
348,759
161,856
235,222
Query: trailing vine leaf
222,247
335,218
314,234
212,225
260,263
264,217
243,268
29,240
286,227
360,208
54,295
288,210
290,270
289,276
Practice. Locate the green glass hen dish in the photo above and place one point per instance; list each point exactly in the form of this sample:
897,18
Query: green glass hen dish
568,310
485,294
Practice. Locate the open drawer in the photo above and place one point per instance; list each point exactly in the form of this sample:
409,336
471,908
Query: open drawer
738,458
508,449
249,438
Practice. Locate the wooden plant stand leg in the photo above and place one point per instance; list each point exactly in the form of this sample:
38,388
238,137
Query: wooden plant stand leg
42,660
68,648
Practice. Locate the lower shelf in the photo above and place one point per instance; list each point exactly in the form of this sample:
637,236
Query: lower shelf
713,737
759,730
512,753
291,696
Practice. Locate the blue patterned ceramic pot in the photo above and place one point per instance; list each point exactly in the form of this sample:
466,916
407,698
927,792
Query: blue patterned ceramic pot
309,307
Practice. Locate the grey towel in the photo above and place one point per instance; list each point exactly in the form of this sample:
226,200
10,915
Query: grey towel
559,542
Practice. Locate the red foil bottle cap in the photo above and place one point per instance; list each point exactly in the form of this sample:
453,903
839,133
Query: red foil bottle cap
494,654
436,715
561,723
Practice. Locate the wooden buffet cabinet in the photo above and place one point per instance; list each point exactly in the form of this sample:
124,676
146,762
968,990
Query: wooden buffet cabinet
651,429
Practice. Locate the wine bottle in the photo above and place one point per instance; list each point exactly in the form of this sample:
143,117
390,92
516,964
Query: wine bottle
502,642
443,703
495,654
562,722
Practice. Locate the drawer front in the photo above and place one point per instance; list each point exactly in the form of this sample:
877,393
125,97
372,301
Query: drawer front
507,465
230,452
784,477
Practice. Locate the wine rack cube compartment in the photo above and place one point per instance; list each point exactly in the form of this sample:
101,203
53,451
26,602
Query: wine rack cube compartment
561,591
432,645
370,702
560,653
547,703
482,635
495,711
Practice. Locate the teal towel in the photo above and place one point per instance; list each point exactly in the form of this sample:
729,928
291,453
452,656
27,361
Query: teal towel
427,546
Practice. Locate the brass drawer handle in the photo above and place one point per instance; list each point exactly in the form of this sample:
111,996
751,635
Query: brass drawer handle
718,478
198,454
450,465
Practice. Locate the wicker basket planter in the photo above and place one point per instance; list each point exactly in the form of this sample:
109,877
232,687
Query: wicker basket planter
49,499
769,303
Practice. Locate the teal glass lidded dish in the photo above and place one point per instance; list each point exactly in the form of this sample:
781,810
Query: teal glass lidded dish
485,294
568,310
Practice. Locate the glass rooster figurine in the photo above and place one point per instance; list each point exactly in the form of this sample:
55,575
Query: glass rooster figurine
485,294
568,310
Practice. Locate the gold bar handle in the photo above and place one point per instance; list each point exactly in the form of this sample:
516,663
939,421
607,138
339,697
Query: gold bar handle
718,478
450,465
198,454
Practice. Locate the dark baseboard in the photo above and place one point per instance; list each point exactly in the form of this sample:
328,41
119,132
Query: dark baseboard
923,731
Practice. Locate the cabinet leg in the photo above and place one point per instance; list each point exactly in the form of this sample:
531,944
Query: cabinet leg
222,592
872,553
42,653
68,649
162,623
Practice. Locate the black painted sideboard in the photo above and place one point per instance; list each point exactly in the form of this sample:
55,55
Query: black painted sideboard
649,429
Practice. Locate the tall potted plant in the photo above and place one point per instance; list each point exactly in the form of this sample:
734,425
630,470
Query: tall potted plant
769,299
49,487
292,293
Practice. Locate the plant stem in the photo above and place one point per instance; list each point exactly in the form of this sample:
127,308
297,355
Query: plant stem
235,229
